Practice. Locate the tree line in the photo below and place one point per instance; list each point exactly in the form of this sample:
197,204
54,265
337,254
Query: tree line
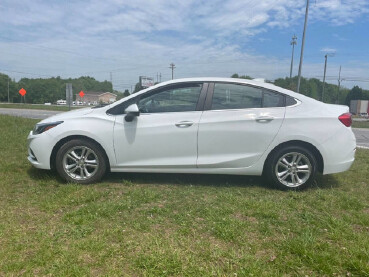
314,88
47,90
52,89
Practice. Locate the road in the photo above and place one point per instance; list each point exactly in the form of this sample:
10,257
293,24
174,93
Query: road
362,137
28,113
361,134
360,119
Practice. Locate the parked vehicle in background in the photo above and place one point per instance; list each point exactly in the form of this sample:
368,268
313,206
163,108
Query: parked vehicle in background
200,125
359,107
61,102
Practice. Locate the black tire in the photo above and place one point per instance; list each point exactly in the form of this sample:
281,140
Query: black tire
90,166
275,171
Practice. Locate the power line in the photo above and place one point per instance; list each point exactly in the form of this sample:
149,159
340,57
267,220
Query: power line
13,71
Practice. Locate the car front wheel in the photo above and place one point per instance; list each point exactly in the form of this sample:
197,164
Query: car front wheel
81,161
291,168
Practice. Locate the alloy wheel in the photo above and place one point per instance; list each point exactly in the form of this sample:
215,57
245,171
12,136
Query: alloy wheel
80,163
293,169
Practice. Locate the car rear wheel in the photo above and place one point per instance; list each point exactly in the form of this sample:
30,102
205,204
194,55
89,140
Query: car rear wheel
81,161
291,168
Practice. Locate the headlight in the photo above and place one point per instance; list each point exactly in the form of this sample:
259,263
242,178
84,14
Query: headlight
40,128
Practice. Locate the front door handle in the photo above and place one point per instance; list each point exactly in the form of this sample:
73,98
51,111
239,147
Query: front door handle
184,124
264,119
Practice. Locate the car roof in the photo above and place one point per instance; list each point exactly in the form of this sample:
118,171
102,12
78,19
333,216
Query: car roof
253,82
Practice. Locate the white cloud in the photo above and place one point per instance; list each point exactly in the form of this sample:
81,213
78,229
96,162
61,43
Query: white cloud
328,50
339,12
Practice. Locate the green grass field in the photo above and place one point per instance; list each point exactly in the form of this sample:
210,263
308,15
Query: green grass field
360,124
37,107
177,225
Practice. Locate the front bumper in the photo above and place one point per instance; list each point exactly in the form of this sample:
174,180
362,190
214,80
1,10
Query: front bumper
39,150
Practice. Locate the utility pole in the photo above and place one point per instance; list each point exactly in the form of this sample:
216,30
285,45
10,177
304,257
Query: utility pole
325,70
69,94
339,85
302,46
293,43
158,77
172,66
111,80
8,91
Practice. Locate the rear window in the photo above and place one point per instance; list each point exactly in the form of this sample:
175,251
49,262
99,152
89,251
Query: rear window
290,101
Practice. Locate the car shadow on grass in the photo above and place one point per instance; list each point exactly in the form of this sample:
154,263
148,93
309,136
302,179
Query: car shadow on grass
42,175
326,182
321,182
215,180
187,179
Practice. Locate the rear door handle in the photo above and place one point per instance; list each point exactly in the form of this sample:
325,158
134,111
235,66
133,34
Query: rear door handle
184,124
263,119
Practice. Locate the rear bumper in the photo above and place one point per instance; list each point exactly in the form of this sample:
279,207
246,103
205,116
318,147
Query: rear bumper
340,166
339,152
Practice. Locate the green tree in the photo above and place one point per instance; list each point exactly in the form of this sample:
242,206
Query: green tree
241,76
355,93
137,88
126,93
51,89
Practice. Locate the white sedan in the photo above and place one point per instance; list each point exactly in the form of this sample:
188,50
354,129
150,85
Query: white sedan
200,125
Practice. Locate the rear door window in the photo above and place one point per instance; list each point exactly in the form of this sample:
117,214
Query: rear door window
232,96
272,99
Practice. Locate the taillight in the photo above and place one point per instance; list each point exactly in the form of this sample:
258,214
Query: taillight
346,119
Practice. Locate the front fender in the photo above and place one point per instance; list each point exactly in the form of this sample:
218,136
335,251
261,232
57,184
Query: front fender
97,129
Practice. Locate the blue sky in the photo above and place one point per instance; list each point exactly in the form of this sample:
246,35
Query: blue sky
203,38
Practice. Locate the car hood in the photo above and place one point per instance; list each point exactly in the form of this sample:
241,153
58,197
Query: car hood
68,115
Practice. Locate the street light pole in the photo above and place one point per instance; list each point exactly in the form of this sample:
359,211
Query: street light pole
293,43
302,46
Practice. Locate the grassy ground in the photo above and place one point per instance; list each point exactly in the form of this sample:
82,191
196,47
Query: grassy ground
37,107
360,124
170,225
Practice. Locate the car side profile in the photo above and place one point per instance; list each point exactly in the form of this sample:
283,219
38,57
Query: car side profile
200,125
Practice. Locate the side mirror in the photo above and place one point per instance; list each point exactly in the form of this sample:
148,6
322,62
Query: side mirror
131,111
